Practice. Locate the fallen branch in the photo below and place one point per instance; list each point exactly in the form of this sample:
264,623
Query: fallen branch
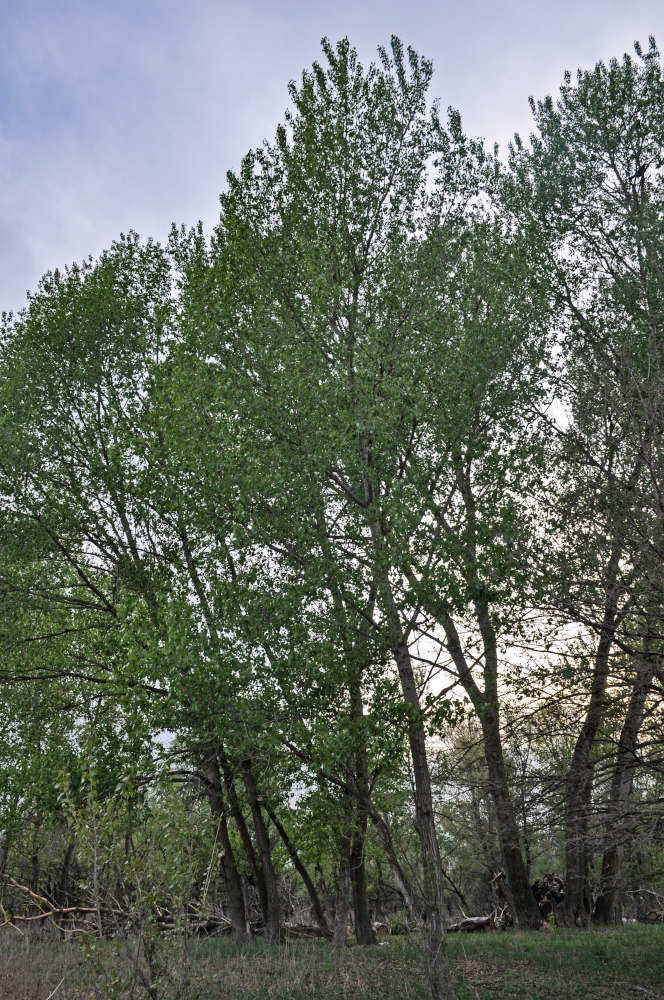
43,901
471,924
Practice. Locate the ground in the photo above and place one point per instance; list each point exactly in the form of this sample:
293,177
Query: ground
623,964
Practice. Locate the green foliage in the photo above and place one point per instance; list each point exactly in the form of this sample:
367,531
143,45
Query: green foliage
297,495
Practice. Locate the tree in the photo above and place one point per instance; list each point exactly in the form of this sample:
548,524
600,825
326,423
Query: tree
591,186
372,345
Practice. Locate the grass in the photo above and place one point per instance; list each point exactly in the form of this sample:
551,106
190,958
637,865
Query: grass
562,965
31,969
625,964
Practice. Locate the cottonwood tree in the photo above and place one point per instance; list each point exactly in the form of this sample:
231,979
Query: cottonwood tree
306,299
129,587
591,186
371,338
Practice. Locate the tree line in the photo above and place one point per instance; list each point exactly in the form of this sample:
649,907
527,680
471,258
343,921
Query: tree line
352,515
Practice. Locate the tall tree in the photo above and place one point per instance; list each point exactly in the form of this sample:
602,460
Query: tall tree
369,335
591,187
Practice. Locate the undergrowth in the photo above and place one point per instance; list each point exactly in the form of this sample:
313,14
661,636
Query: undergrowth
563,965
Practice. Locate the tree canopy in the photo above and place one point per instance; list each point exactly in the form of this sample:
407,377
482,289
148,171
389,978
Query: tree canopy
346,524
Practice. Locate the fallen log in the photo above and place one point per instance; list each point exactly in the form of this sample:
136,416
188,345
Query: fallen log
293,930
471,924
194,924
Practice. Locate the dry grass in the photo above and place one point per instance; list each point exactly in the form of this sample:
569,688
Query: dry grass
30,969
595,965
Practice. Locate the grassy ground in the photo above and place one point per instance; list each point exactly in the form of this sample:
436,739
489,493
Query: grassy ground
562,965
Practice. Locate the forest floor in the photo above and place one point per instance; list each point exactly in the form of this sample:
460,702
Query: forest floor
623,964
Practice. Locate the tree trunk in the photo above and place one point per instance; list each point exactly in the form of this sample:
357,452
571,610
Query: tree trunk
364,932
314,898
35,863
273,915
438,975
245,836
577,905
608,907
524,907
486,704
263,876
440,986
6,836
402,882
232,882
4,853
342,907
62,893
520,896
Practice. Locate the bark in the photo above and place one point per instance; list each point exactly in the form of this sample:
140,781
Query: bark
440,986
608,908
6,838
608,905
471,924
380,825
273,914
232,881
35,861
62,892
524,908
486,704
364,932
577,906
4,854
265,891
342,907
314,898
243,830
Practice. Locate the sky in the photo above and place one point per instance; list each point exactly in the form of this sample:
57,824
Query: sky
118,115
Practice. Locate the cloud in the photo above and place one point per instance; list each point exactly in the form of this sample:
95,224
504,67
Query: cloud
128,115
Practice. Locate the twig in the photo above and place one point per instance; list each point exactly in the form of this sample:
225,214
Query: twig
8,923
56,989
